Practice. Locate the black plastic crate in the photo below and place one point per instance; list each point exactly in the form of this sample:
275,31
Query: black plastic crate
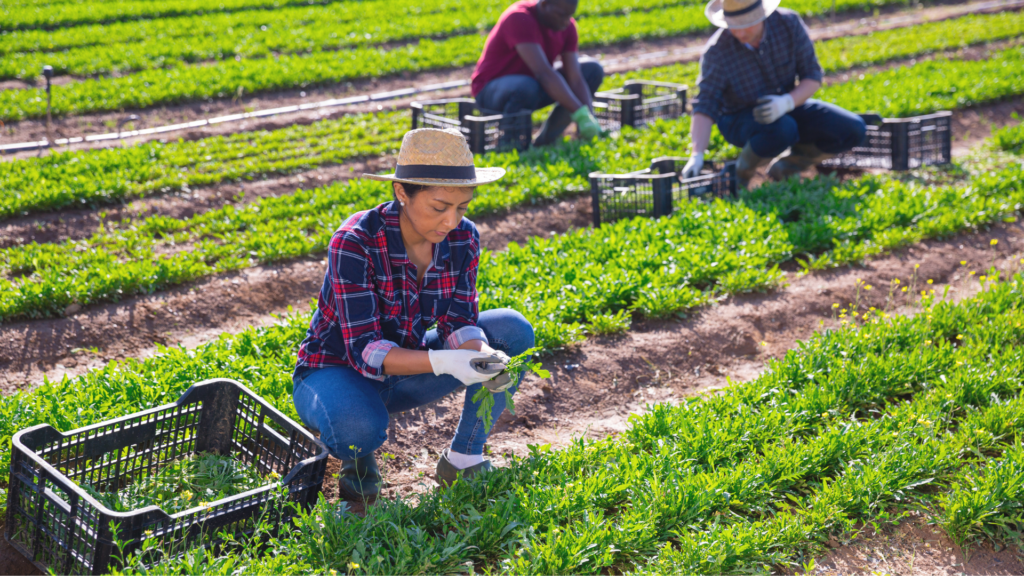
485,130
900,143
656,191
638,103
59,526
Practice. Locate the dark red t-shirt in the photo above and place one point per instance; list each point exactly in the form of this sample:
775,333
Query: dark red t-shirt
519,25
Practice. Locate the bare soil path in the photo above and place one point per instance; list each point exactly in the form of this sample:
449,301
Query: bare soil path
628,56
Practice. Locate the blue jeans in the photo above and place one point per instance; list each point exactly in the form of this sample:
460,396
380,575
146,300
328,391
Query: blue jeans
351,412
518,92
827,126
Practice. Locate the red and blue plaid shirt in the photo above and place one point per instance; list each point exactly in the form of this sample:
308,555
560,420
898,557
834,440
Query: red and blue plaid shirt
370,301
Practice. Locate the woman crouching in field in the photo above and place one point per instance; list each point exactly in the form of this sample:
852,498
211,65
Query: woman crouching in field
393,272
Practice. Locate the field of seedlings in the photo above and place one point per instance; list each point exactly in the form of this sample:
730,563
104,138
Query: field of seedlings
817,376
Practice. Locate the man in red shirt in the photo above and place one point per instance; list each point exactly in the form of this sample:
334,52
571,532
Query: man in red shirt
517,70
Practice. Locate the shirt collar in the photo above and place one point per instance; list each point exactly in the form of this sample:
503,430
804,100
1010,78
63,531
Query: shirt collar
396,247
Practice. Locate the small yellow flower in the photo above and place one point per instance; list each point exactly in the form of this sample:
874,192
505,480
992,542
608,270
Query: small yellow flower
187,495
204,504
927,342
930,281
904,288
333,572
834,306
916,266
353,566
994,242
824,414
982,278
959,336
868,287
963,262
895,280
764,343
148,533
971,273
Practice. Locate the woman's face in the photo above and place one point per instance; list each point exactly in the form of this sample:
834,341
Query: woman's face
435,211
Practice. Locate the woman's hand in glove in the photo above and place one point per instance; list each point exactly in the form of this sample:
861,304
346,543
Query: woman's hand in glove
467,366
586,123
693,166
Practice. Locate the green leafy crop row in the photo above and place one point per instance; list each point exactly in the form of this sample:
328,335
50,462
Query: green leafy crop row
1010,138
259,35
111,175
234,78
97,177
858,424
837,225
375,17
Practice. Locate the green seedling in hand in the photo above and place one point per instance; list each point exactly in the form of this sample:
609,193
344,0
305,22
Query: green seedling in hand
516,366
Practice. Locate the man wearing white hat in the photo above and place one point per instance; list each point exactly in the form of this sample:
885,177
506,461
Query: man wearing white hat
748,86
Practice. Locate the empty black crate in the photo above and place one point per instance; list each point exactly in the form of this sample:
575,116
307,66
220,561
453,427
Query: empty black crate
486,131
58,525
656,191
639,102
900,143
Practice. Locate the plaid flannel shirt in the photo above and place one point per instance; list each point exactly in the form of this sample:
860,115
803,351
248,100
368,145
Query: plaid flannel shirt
370,301
733,75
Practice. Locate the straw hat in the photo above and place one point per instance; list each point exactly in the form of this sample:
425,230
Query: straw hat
739,13
433,157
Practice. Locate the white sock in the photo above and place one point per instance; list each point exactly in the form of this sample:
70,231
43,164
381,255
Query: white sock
463,461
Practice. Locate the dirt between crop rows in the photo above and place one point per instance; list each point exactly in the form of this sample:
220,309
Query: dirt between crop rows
626,57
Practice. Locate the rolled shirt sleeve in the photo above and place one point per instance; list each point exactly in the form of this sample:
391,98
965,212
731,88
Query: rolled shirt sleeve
356,307
807,66
459,324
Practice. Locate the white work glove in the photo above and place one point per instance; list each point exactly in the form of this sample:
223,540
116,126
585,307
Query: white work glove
771,108
467,366
693,166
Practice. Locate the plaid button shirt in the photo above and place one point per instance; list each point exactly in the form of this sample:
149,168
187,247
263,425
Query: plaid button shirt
370,301
733,75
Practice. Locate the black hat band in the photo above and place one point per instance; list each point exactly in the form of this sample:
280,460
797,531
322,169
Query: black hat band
416,171
742,11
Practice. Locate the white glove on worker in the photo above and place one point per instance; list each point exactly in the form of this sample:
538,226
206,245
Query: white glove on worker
467,366
771,108
693,166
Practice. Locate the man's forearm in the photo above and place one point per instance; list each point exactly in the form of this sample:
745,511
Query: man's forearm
556,87
700,132
804,91
581,90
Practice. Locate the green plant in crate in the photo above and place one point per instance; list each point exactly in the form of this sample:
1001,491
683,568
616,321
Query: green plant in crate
515,369
185,483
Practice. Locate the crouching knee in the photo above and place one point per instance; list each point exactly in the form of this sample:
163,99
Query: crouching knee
508,330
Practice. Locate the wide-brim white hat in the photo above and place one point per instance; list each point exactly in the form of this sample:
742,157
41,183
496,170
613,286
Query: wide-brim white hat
433,157
739,13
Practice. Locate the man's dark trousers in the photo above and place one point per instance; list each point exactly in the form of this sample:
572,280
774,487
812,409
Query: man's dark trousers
518,92
827,126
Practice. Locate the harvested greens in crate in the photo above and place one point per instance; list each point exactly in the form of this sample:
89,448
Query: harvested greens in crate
638,103
73,496
900,143
486,131
656,191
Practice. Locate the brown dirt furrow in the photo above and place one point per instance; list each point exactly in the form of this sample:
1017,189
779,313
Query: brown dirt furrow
915,547
626,57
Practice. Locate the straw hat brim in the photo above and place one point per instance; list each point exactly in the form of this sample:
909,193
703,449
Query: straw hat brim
716,14
483,176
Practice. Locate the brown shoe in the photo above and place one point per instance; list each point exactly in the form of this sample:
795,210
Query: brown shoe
447,473
801,157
